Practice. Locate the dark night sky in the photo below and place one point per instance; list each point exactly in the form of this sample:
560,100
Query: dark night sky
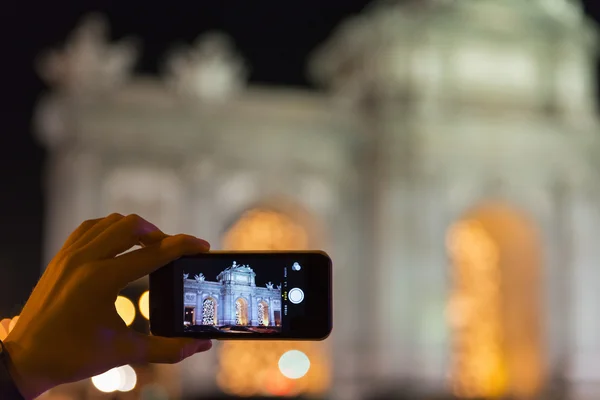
275,38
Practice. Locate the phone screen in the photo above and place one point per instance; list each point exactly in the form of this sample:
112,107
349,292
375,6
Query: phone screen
250,295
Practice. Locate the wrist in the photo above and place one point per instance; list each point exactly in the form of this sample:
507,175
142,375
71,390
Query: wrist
16,363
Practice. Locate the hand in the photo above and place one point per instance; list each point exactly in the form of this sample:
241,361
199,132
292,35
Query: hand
69,328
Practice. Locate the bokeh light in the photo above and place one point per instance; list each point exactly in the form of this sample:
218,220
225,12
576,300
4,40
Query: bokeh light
122,379
479,365
110,381
130,378
262,229
294,364
144,304
497,343
126,309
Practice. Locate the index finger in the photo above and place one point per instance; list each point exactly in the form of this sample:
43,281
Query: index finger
134,265
122,236
77,233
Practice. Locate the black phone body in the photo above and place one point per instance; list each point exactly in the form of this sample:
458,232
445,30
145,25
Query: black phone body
271,295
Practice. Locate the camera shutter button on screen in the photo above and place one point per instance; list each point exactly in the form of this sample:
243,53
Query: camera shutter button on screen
296,295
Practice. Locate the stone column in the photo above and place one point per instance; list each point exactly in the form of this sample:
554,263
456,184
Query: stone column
271,313
559,270
71,185
220,308
228,307
400,304
430,277
584,368
393,235
253,306
352,343
202,182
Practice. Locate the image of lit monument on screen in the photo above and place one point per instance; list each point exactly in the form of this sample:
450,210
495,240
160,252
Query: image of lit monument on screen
232,302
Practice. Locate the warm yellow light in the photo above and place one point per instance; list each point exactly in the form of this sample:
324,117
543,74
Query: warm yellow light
475,313
273,368
495,311
125,309
121,379
3,332
12,324
266,230
144,304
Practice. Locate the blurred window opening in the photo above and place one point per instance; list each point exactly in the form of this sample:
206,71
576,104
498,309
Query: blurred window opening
494,311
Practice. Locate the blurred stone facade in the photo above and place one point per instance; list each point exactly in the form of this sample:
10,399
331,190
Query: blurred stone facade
432,109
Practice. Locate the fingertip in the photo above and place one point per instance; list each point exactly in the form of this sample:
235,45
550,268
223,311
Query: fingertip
203,345
204,243
195,346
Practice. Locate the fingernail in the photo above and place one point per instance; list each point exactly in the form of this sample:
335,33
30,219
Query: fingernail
203,345
149,227
204,242
156,234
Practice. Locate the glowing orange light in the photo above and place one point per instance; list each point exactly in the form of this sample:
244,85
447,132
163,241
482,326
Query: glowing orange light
125,309
144,304
494,310
475,313
277,384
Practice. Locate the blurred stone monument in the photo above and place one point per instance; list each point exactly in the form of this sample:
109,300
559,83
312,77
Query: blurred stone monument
450,169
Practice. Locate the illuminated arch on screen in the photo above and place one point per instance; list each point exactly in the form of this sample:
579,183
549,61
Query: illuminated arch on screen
209,311
241,312
263,313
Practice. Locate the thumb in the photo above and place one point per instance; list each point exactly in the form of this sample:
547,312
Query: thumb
163,350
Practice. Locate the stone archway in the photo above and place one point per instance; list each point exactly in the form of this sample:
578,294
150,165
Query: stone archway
241,311
263,313
251,367
275,224
495,311
209,311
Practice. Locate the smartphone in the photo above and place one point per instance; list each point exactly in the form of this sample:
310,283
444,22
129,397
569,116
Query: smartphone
244,295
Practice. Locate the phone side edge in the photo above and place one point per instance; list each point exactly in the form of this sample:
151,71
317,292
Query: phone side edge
161,299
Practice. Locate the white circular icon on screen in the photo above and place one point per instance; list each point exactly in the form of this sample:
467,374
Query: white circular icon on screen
296,267
296,295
